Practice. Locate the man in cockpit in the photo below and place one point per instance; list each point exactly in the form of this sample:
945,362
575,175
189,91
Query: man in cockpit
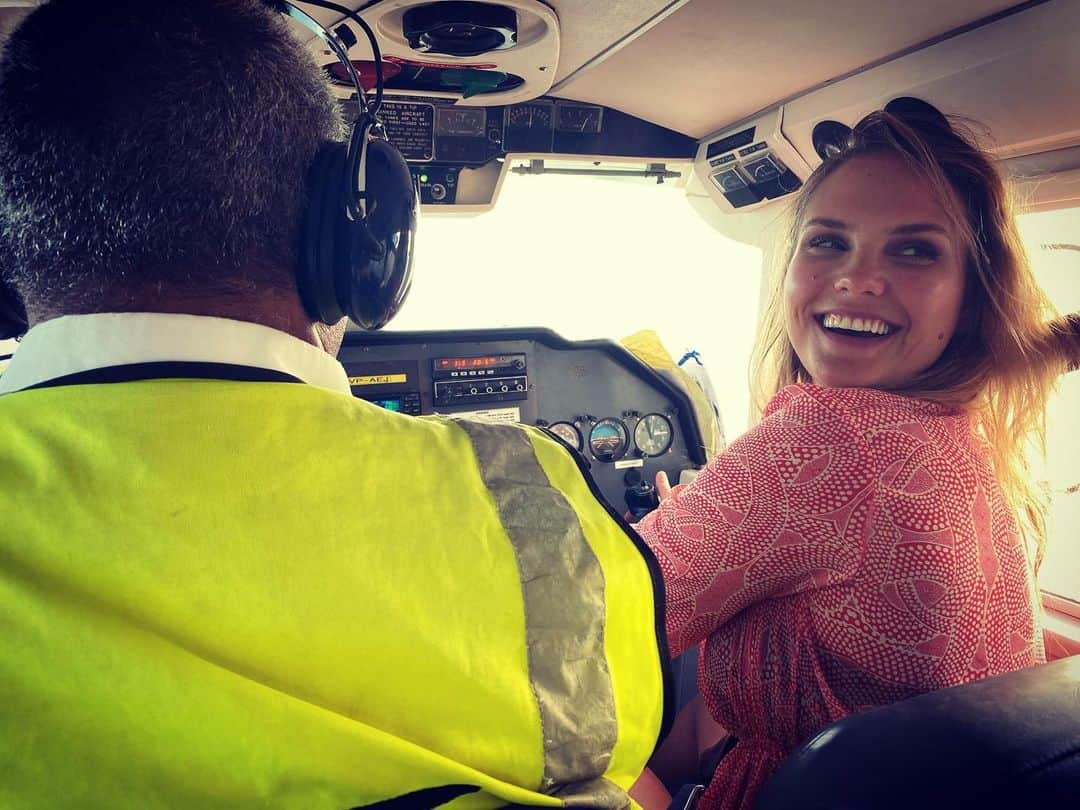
224,581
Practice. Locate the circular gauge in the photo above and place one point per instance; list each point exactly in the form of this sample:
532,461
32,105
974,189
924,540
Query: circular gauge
578,118
609,439
653,434
530,116
529,127
568,433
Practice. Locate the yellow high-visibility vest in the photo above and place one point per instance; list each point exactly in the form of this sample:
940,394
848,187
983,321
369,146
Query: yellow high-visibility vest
252,594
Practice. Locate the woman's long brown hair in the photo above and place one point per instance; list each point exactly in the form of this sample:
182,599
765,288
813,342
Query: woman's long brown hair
997,365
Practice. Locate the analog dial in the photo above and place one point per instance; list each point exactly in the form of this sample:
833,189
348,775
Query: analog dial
535,115
653,434
578,118
609,439
568,433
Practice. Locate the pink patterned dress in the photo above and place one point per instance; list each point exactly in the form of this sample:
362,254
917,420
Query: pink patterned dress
851,550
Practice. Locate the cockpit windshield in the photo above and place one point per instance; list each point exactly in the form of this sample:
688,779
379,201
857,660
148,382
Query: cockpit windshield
595,257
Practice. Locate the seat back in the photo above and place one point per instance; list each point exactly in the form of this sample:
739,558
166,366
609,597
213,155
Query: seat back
1007,741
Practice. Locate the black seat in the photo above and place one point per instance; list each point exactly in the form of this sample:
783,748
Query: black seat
1008,741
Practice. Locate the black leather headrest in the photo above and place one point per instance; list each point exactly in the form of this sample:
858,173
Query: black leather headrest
1008,741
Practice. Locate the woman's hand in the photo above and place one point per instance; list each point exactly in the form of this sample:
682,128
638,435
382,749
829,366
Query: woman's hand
1067,333
664,489
1061,342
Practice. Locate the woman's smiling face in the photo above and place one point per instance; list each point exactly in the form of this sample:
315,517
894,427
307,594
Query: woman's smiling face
873,291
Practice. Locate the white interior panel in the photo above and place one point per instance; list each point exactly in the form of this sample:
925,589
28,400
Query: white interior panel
594,29
1016,79
711,64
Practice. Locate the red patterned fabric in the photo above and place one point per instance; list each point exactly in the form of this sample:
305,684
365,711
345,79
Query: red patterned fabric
852,550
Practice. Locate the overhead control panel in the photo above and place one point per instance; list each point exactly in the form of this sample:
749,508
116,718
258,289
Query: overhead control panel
471,53
454,151
624,420
750,165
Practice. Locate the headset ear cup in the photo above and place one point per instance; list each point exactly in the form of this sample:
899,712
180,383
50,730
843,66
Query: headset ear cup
319,244
374,284
13,321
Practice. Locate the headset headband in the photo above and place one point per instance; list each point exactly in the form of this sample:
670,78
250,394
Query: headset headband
341,51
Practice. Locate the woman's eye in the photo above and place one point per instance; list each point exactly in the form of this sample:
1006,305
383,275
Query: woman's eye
825,242
919,251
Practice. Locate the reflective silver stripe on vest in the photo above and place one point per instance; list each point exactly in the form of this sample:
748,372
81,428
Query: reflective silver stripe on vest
562,585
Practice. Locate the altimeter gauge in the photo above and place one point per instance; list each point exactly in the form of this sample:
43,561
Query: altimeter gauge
653,434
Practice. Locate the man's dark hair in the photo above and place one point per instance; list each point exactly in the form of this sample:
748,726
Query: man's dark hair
148,147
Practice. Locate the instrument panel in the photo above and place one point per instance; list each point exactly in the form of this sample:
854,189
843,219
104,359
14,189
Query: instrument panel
624,420
446,145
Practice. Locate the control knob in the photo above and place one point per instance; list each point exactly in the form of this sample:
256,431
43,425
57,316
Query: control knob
641,497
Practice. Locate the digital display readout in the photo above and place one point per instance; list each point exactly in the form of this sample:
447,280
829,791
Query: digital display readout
458,363
389,404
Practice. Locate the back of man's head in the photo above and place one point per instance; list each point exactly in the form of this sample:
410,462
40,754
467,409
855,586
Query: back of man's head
150,150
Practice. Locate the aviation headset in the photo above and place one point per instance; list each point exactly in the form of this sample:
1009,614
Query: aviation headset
357,232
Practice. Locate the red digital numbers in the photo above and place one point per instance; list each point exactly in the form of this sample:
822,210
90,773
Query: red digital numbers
466,362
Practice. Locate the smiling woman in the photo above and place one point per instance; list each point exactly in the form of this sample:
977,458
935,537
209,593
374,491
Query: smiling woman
871,302
993,364
863,543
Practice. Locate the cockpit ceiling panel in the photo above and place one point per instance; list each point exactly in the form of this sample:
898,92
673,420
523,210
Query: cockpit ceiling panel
711,64
591,28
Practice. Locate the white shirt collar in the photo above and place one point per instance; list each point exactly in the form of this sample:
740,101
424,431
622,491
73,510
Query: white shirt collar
76,343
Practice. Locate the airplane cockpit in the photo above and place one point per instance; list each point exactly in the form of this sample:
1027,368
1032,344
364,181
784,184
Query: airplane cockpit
662,143
482,97
732,107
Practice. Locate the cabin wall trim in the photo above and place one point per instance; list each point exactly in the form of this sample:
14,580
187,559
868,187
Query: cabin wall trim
1061,626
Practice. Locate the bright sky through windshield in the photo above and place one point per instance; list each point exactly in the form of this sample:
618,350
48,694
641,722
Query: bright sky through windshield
593,257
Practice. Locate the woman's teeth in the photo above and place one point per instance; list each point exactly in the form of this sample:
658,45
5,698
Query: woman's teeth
870,325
